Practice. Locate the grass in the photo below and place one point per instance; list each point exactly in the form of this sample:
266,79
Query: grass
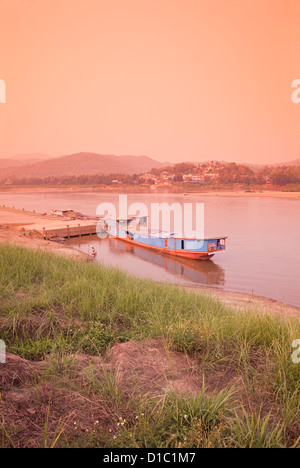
52,309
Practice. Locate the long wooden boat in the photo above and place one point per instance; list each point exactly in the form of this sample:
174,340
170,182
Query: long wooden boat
130,230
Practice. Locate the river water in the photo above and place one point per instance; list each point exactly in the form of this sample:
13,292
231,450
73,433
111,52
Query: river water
263,245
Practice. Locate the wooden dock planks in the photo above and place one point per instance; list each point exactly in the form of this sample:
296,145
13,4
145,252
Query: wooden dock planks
48,226
66,229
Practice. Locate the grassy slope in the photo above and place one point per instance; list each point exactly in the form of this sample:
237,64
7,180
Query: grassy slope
52,308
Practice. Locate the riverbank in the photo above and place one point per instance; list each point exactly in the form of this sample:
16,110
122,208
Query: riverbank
251,194
12,235
96,358
243,301
148,190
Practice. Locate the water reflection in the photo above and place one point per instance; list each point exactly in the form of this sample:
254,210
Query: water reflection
146,263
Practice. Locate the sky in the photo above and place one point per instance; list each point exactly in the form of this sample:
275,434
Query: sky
176,80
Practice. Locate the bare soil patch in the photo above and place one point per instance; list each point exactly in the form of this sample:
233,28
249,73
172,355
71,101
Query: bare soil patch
33,394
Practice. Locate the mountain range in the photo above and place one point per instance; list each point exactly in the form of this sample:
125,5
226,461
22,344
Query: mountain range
77,164
41,165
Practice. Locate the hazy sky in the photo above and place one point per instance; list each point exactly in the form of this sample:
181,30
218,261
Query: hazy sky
176,80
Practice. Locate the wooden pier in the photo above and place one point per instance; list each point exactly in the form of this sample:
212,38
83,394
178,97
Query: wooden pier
48,226
65,229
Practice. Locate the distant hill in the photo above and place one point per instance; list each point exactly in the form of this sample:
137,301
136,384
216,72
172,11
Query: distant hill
12,163
296,162
22,160
33,157
258,167
83,164
5,163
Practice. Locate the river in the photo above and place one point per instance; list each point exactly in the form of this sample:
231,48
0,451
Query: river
263,245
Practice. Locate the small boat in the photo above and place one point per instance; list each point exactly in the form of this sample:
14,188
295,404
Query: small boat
130,230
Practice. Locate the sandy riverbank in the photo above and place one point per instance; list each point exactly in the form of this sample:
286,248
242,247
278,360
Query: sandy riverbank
13,225
12,232
175,191
243,301
267,194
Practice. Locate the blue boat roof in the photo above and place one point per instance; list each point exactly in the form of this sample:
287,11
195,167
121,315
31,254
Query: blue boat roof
160,234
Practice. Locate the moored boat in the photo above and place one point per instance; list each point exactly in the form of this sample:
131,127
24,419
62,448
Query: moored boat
130,230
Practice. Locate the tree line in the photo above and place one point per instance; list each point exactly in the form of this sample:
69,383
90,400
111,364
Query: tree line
210,173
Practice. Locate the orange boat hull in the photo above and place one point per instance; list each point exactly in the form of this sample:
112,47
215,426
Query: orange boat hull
191,254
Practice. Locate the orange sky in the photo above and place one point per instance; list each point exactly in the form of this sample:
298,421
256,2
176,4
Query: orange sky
172,79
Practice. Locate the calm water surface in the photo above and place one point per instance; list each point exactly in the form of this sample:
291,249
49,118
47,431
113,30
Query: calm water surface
263,246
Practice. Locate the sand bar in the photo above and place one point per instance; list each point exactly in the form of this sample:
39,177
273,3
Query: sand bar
252,194
160,190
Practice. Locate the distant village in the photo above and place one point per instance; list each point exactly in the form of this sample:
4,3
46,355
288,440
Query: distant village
198,173
212,174
219,174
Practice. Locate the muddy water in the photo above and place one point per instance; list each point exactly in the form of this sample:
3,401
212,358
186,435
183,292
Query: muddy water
263,248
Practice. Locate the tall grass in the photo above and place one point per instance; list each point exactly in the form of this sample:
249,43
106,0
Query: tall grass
51,305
